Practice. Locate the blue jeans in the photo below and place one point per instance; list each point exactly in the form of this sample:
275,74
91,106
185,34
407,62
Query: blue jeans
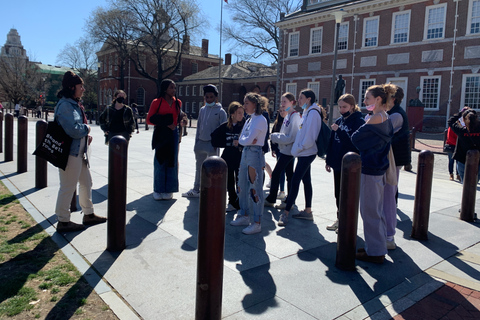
165,178
302,173
461,171
250,189
451,162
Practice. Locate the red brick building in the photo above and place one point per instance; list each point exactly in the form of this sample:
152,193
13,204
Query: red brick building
140,89
236,80
431,45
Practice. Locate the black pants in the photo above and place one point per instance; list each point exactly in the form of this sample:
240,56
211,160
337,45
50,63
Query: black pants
232,179
301,174
337,179
284,162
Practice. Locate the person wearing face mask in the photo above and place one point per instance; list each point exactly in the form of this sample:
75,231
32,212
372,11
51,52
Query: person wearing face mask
210,116
118,118
341,142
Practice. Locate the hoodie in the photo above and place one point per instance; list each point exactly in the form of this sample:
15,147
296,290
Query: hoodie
286,137
341,140
305,142
209,118
373,141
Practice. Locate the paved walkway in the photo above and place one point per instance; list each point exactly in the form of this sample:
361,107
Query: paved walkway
284,273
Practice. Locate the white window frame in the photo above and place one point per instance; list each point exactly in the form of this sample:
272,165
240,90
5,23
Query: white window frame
394,28
315,87
424,99
464,86
187,91
180,91
194,91
109,97
187,107
194,107
140,93
194,67
427,16
292,88
362,89
110,66
179,69
365,21
319,29
471,17
342,25
290,35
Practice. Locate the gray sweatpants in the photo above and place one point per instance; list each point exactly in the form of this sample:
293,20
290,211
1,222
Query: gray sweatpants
203,150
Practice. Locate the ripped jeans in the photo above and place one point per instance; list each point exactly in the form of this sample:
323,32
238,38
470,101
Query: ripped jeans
250,182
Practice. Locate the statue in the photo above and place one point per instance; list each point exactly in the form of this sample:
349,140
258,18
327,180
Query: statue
339,88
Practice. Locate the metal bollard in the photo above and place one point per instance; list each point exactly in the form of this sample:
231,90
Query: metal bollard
467,209
211,239
40,163
348,211
117,193
423,195
413,132
1,132
8,137
22,144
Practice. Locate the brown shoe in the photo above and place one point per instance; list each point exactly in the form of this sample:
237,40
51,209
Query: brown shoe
91,219
451,177
69,227
363,256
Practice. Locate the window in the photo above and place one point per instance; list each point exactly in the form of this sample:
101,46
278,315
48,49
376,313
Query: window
194,90
435,21
316,40
364,84
180,91
187,107
110,66
105,96
473,24
400,27
293,44
315,86
100,97
140,96
179,69
292,88
116,62
194,68
194,107
187,91
342,43
109,97
370,32
430,91
105,65
471,95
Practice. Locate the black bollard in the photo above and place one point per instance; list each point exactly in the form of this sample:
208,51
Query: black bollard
40,163
8,137
413,132
117,193
22,144
467,209
1,132
348,211
211,239
423,195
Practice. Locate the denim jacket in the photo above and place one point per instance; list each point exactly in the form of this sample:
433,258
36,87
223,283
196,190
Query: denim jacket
70,117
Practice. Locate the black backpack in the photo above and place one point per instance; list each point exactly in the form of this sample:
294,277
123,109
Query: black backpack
323,137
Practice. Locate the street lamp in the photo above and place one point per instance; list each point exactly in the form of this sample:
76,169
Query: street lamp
338,19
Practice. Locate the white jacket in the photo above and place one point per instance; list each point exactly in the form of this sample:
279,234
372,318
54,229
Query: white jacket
305,142
286,137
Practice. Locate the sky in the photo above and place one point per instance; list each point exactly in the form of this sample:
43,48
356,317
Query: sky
47,26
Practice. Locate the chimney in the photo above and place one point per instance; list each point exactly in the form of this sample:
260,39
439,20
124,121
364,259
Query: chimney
228,59
186,44
204,47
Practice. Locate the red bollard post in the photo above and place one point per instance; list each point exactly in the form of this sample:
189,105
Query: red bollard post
117,193
211,239
8,137
1,132
467,209
40,163
348,211
423,195
22,144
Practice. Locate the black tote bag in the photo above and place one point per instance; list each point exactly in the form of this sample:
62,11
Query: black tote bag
55,146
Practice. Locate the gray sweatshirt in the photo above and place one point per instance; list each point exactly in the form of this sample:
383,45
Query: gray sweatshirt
286,137
209,118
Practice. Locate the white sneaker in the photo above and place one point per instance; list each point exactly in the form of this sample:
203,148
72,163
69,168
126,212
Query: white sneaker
230,208
167,196
240,221
191,194
333,226
282,205
281,195
253,228
269,184
391,245
157,196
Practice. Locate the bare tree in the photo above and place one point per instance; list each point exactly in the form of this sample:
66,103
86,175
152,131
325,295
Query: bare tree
113,28
81,58
159,33
253,26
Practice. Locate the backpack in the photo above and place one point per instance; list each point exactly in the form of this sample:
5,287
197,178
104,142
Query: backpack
323,138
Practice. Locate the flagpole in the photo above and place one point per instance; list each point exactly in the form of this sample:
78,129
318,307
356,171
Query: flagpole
220,55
